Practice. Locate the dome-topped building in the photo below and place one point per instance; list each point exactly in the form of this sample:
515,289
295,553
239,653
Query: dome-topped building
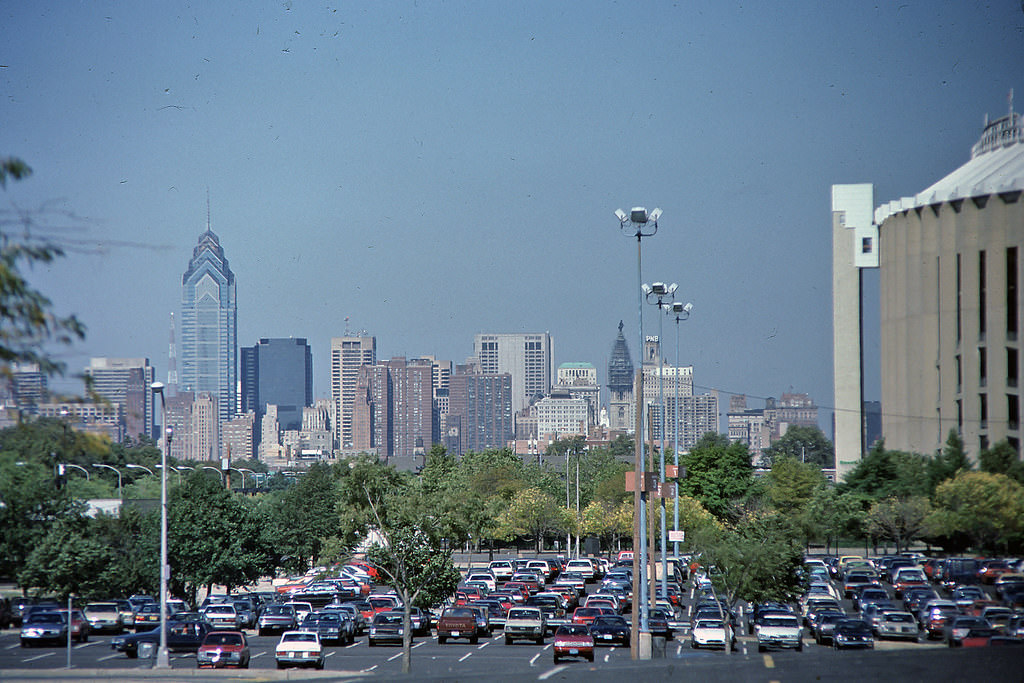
621,409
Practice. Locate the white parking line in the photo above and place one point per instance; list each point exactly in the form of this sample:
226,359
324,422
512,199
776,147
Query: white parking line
534,659
366,671
103,659
355,644
330,654
679,650
545,676
394,657
37,657
486,643
258,654
81,645
465,656
607,657
422,642
13,647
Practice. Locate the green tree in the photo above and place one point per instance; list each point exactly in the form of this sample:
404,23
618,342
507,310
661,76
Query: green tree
533,513
718,474
831,516
792,484
900,520
803,444
414,564
301,517
883,473
213,538
949,462
986,508
1002,458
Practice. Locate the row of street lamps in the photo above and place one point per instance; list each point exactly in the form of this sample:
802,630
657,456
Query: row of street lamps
132,466
639,223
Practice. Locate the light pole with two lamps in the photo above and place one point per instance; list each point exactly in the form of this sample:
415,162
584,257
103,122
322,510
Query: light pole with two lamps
639,223
681,312
660,295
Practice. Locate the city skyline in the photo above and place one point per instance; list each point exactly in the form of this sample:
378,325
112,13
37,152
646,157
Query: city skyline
359,166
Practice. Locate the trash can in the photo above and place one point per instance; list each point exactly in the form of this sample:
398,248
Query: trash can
147,650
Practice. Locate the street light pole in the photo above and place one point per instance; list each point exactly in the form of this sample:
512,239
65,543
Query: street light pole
163,661
682,312
117,471
78,467
660,292
643,224
133,466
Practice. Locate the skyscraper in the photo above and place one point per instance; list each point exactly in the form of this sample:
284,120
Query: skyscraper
529,358
278,372
348,354
209,346
480,410
125,382
621,408
393,409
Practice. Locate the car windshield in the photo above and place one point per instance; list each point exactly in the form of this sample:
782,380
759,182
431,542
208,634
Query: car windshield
100,608
523,614
610,621
220,609
572,630
899,618
708,623
463,612
216,638
386,618
48,618
298,638
780,621
275,610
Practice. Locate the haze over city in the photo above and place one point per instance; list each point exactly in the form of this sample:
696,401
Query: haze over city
426,172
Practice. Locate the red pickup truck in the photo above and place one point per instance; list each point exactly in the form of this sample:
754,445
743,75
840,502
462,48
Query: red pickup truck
457,622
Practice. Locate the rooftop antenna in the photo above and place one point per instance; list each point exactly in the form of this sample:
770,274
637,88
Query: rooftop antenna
346,326
207,208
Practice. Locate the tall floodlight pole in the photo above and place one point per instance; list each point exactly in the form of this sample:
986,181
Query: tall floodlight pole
657,294
681,312
639,223
162,659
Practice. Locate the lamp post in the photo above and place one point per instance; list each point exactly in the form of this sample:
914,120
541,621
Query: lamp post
252,473
133,466
639,223
163,661
242,472
173,469
78,467
657,294
681,312
117,471
219,471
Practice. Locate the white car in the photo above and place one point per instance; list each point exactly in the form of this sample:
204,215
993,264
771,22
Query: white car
299,648
501,569
708,633
301,609
222,616
486,578
584,567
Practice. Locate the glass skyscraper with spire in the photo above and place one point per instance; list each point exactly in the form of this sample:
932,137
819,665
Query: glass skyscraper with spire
208,353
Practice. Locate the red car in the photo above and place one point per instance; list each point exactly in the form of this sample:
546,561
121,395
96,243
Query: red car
978,637
223,649
80,627
586,615
992,570
573,640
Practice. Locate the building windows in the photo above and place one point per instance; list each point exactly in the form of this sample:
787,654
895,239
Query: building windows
982,366
981,295
1013,411
1011,293
1012,368
865,245
959,375
959,300
959,416
983,411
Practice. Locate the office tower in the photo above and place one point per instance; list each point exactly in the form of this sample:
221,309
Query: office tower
278,372
209,346
179,419
205,428
393,409
348,354
529,358
27,387
621,406
580,380
480,413
561,415
126,382
103,418
239,437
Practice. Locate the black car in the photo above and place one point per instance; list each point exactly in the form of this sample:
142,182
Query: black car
386,627
185,636
658,622
277,618
610,630
852,633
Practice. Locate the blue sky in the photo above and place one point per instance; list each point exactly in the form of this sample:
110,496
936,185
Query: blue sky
432,170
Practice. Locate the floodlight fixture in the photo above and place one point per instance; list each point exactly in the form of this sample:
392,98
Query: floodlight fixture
638,214
621,215
659,289
646,288
654,216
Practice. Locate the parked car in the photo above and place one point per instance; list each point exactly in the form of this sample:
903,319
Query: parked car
958,627
277,618
223,616
387,627
44,627
104,616
459,622
610,629
80,628
852,633
223,649
779,630
573,640
710,632
184,636
522,623
897,625
147,616
299,648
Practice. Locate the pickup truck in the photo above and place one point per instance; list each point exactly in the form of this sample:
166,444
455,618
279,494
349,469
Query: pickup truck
457,622
525,623
779,630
